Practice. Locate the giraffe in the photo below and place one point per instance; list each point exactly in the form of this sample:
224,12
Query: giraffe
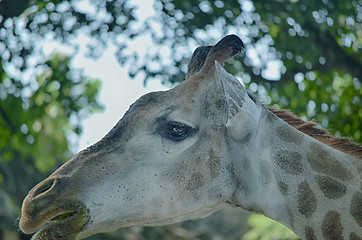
187,152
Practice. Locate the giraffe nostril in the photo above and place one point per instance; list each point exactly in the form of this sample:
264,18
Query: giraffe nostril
44,187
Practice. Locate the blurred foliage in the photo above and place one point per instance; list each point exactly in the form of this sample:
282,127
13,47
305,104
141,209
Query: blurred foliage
36,118
315,46
263,228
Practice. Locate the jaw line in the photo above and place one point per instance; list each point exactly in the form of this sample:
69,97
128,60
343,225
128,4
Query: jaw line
90,230
195,214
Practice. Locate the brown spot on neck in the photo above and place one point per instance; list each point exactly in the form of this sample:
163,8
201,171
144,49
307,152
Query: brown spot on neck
330,187
289,161
309,233
356,207
331,226
307,202
321,161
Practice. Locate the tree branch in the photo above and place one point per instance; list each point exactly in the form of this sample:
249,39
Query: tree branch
7,120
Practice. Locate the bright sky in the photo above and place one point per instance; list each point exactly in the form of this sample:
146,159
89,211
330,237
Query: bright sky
117,93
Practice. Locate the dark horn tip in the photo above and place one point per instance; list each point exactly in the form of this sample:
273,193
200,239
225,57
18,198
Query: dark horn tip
232,41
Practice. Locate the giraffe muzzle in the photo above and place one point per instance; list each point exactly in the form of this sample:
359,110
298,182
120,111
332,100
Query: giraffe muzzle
50,215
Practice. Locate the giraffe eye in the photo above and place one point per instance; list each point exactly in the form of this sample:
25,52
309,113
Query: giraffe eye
175,131
178,131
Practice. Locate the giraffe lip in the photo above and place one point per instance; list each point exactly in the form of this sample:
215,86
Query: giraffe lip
58,220
66,225
54,225
64,216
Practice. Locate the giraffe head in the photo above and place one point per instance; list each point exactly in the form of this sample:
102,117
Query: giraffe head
165,161
184,153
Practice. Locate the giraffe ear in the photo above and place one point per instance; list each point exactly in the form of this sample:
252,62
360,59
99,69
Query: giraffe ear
242,112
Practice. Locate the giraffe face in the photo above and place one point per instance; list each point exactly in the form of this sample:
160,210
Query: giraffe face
163,162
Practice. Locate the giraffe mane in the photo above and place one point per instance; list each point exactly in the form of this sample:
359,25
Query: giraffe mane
310,128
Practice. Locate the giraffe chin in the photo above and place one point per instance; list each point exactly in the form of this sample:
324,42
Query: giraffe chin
64,226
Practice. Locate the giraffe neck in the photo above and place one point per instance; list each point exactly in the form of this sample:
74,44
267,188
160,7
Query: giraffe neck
292,178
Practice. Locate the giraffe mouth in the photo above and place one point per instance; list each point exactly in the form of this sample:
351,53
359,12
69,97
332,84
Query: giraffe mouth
64,216
64,222
62,226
